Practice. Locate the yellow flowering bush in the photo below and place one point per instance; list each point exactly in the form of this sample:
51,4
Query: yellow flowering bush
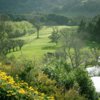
11,90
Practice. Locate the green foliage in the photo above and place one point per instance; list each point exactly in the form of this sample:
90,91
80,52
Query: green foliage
54,19
85,84
28,71
20,90
82,26
90,33
96,32
17,29
37,47
3,37
25,69
92,29
38,25
61,72
20,43
68,77
71,47
72,94
9,46
54,35
9,30
47,6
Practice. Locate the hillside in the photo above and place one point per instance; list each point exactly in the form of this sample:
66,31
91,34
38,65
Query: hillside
67,7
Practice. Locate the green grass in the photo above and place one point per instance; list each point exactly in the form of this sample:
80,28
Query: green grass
37,47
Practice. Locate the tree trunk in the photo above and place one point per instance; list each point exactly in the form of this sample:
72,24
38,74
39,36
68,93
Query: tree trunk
37,34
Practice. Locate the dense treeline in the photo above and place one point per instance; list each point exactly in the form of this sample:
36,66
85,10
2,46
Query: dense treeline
10,30
46,19
65,7
54,19
17,29
91,29
89,32
11,46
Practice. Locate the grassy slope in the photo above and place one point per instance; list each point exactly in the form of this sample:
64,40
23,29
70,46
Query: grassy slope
35,47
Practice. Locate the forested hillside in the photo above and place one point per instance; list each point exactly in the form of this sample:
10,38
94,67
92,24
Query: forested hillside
67,7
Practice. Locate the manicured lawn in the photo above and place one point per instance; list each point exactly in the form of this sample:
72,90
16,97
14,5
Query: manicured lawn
37,47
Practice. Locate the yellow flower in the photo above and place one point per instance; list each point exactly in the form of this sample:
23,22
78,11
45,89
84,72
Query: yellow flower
0,64
51,98
21,87
9,91
30,88
42,94
13,93
36,92
22,91
41,98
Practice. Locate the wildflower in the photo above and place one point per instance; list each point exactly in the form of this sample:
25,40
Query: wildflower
30,88
42,94
0,64
36,92
41,98
22,91
51,98
9,91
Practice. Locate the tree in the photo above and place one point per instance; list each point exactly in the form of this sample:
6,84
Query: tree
95,36
20,43
38,25
92,29
17,29
82,26
3,37
71,46
8,31
55,35
90,33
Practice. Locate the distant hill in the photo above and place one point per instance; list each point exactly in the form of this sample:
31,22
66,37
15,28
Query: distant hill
66,7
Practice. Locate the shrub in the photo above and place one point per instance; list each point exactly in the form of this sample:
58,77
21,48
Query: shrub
72,94
11,90
85,84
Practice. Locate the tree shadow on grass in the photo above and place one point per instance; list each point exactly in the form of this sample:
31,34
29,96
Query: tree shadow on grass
49,47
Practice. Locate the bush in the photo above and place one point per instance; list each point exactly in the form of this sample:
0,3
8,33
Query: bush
72,94
11,90
68,77
85,84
